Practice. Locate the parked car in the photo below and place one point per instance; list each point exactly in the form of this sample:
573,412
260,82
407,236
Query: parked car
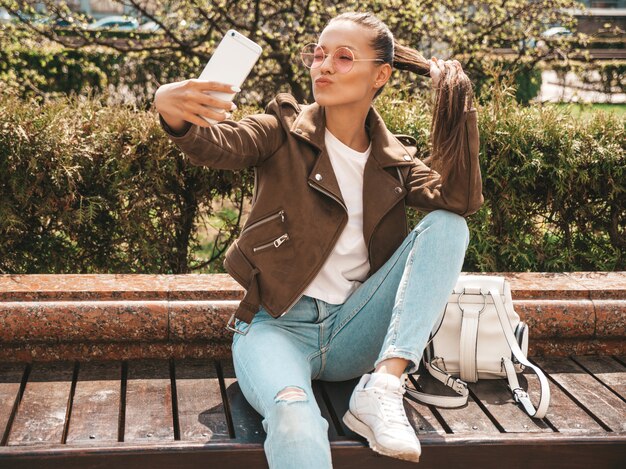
119,23
19,15
58,22
5,17
550,33
171,21
556,31
149,26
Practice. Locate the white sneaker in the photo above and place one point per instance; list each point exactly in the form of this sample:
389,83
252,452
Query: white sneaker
377,413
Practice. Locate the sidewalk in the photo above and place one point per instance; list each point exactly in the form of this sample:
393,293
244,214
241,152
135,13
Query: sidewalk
574,90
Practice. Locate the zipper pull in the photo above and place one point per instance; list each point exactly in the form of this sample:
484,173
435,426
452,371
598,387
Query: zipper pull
281,240
282,216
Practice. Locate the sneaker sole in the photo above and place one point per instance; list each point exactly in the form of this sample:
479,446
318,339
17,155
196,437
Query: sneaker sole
362,429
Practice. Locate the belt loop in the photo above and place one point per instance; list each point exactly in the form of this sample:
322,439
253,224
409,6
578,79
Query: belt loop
318,309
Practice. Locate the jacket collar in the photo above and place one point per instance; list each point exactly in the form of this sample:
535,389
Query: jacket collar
310,125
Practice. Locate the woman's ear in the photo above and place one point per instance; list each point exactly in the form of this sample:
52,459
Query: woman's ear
383,74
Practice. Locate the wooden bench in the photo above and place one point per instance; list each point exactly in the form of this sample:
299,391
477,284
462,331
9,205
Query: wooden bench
190,413
132,371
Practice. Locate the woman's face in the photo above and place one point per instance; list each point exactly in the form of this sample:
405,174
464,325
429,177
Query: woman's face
331,88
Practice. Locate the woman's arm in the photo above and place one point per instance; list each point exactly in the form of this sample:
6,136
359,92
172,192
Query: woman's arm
226,145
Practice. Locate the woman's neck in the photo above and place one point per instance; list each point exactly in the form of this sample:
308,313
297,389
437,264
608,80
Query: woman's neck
347,123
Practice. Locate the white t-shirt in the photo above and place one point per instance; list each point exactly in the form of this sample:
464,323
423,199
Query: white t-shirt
348,263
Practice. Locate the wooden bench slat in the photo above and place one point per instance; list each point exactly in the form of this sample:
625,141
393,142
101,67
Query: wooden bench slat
470,418
11,375
605,405
246,420
606,369
497,399
201,412
318,391
148,413
41,414
563,413
419,415
96,403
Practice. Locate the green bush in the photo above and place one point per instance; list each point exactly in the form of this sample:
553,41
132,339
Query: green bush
89,188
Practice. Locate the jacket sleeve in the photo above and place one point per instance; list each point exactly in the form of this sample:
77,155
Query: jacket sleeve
229,144
461,193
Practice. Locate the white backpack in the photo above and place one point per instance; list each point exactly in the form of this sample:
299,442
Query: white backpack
480,336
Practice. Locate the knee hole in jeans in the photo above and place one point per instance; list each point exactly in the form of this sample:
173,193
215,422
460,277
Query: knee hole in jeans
291,394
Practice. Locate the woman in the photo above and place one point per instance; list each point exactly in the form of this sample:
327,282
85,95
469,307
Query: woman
336,285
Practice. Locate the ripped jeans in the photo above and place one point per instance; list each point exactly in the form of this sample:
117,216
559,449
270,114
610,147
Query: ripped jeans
390,315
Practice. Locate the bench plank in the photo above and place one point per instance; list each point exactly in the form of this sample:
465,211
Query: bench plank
201,412
606,406
608,370
467,419
41,415
148,413
246,421
332,419
11,375
563,413
495,397
96,403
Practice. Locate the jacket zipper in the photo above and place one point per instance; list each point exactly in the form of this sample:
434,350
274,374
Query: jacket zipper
329,195
291,305
256,224
345,208
276,243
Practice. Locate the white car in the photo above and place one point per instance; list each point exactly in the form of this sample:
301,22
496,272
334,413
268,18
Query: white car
149,26
119,23
556,31
5,17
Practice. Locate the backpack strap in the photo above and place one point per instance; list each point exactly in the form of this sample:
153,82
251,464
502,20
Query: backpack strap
519,394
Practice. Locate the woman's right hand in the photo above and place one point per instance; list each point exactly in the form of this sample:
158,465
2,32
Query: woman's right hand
185,101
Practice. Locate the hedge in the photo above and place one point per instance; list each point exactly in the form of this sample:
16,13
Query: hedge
86,187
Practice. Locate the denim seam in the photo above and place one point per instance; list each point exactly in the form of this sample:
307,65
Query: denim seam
252,385
402,291
358,308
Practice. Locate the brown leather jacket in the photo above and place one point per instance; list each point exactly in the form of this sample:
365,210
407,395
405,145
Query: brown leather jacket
297,208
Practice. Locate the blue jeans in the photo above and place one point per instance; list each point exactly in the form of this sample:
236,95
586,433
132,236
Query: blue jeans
390,315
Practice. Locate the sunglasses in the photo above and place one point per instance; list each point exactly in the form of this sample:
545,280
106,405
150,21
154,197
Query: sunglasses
313,56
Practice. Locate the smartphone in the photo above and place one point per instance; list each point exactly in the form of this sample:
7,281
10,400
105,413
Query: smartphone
231,63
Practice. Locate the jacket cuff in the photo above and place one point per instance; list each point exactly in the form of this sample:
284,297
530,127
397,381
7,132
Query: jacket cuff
168,130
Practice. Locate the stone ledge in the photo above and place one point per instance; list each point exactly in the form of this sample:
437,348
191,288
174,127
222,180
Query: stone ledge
51,317
62,287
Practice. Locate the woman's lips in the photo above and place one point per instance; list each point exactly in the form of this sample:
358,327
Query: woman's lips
323,82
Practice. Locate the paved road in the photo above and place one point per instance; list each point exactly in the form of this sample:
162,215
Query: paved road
572,89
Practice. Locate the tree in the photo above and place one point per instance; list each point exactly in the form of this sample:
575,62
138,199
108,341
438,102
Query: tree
189,30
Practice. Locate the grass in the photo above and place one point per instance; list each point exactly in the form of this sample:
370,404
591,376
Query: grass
585,110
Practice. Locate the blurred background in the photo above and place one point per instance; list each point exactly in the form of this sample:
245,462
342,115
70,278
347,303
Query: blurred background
90,183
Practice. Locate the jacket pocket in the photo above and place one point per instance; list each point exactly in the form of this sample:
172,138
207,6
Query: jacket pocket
272,244
278,216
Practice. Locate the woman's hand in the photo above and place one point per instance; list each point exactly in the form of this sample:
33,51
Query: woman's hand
185,101
437,66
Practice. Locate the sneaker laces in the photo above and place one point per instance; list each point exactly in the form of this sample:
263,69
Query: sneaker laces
392,406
